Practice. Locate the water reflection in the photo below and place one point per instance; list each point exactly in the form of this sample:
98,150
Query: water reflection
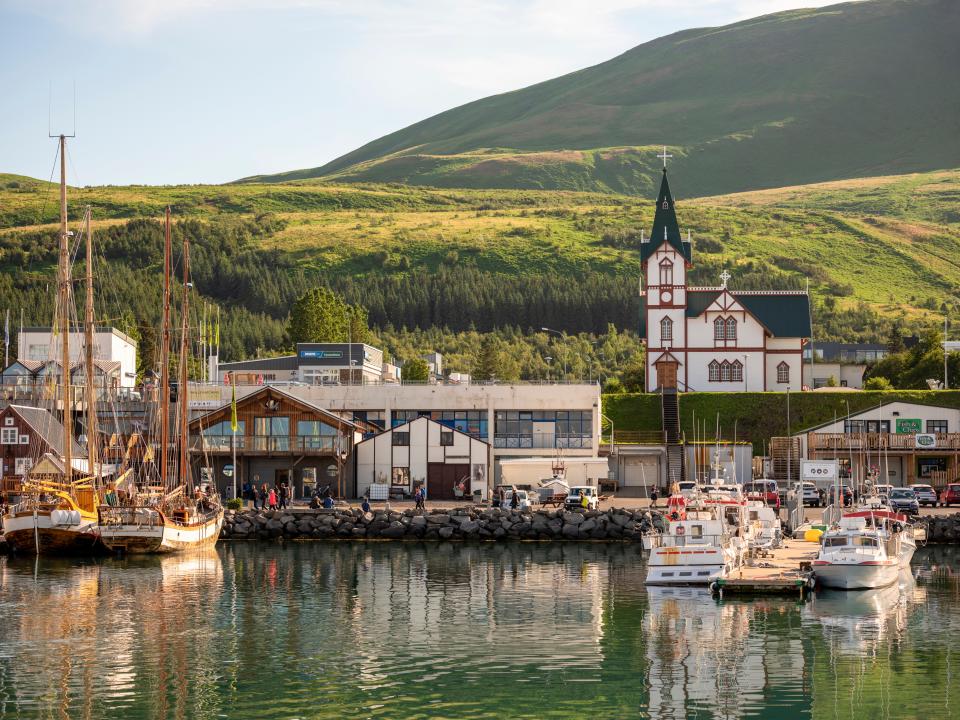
404,630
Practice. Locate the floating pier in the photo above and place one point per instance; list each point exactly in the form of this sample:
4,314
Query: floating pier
783,571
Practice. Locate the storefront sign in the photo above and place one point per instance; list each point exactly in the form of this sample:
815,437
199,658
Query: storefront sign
818,469
309,476
320,354
909,426
926,440
228,470
204,398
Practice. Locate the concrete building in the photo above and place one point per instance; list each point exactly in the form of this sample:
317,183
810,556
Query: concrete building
844,362
313,364
898,444
424,453
37,344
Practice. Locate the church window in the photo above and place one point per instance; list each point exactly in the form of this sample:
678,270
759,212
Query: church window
719,329
736,371
725,371
731,328
783,373
666,272
666,329
714,371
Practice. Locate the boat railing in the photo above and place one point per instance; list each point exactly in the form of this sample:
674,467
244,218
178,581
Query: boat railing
687,540
130,515
832,514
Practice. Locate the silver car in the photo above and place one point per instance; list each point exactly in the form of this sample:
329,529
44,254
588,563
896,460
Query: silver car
926,495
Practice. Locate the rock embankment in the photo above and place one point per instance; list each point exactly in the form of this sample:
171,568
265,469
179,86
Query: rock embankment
942,528
489,524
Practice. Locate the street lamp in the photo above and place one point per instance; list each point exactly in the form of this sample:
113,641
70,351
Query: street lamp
746,385
548,359
564,337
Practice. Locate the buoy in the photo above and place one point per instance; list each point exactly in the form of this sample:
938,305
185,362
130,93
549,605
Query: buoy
812,535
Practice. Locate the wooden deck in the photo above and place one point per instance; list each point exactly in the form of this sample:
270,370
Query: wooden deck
779,574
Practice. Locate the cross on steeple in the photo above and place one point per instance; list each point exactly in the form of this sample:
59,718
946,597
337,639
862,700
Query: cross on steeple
724,276
664,155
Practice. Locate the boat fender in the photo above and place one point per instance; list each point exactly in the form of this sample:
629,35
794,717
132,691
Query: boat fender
681,530
713,588
74,517
56,517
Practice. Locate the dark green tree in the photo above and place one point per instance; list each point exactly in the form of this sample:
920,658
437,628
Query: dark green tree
416,370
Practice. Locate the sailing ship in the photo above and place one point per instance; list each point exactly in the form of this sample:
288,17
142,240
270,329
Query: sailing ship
60,494
171,515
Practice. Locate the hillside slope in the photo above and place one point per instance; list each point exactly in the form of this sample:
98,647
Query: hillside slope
851,90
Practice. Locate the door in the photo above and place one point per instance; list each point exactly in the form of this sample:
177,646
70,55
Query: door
667,374
443,477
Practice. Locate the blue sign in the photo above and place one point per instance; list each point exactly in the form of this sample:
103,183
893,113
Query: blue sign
320,354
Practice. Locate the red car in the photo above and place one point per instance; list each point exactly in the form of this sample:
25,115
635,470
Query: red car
950,495
765,490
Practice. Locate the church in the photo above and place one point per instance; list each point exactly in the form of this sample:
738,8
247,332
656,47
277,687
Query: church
713,338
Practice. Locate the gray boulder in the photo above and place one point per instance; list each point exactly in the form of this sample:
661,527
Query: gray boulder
446,532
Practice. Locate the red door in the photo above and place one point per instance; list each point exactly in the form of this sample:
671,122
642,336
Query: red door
443,477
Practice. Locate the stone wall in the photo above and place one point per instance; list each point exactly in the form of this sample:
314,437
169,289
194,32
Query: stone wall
459,524
942,528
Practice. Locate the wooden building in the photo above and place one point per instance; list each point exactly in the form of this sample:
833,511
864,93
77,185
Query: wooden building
279,438
28,433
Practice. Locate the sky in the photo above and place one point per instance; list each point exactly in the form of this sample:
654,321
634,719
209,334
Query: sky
208,91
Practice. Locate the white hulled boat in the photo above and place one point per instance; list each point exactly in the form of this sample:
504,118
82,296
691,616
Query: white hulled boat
865,549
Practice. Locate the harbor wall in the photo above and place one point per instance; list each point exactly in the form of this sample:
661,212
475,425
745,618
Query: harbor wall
463,524
942,529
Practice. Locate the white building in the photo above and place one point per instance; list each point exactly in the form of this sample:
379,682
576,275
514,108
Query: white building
314,364
109,345
449,463
713,338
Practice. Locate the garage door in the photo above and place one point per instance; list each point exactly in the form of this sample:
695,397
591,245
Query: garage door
442,477
640,471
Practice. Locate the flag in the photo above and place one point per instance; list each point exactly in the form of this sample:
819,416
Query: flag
217,331
233,407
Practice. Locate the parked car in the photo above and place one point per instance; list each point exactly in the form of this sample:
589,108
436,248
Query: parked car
810,494
950,495
882,491
846,493
903,500
577,492
926,495
525,499
764,490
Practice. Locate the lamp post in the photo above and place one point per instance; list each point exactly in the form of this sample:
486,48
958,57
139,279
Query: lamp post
563,336
548,359
746,384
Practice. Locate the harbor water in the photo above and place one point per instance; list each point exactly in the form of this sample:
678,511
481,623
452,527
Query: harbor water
512,630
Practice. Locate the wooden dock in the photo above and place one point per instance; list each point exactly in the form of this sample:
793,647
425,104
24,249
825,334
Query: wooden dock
787,571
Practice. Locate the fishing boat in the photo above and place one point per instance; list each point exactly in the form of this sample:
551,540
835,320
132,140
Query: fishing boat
166,512
865,549
764,530
57,512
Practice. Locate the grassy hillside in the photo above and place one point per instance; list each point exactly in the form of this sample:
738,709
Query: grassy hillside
851,90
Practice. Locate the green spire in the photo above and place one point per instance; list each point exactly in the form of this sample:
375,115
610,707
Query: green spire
665,227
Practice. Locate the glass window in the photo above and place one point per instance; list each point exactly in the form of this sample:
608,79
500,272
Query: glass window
736,371
9,436
783,373
401,439
731,328
714,371
314,427
446,438
666,329
937,426
666,273
223,428
724,371
272,426
719,329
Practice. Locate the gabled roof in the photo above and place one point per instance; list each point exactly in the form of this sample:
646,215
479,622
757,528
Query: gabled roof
446,428
46,426
665,227
198,422
783,313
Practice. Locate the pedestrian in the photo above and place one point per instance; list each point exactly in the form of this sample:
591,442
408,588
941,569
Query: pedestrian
282,496
501,496
273,498
365,505
653,497
262,494
514,499
248,493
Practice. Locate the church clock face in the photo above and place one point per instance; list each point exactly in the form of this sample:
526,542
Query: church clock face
666,296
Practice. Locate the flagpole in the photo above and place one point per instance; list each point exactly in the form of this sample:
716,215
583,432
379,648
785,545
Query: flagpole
6,342
233,435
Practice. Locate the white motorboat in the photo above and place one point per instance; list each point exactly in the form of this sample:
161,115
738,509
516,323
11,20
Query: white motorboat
764,530
865,549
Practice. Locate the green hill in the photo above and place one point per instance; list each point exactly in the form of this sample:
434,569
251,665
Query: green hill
852,90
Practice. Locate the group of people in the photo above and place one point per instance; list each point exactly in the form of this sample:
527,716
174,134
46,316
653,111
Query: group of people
267,498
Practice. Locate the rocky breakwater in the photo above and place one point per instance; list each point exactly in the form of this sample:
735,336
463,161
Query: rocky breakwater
469,523
942,528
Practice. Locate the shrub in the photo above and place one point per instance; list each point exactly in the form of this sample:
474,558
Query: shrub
877,383
235,504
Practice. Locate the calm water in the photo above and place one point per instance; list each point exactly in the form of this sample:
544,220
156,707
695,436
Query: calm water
448,631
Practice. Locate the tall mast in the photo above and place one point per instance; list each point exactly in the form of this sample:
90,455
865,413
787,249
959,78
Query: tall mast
186,478
165,358
91,394
64,320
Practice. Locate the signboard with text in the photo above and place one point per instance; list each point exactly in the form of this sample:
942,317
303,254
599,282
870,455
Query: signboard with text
926,440
909,426
818,470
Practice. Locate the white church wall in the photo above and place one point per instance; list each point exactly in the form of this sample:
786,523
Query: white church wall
749,332
698,369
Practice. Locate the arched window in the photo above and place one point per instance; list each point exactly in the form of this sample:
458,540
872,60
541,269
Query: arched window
666,272
783,373
714,371
666,329
724,371
736,371
719,329
731,328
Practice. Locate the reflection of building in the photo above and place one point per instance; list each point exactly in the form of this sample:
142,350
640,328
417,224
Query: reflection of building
451,463
899,443
280,438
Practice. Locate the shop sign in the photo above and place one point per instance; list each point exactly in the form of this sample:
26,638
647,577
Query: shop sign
909,426
926,440
818,469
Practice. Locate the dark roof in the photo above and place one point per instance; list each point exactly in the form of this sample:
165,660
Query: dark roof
665,227
44,424
783,313
283,362
837,351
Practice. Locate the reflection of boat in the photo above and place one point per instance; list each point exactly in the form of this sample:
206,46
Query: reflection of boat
865,549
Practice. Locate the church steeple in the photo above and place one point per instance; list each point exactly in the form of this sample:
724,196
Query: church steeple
665,226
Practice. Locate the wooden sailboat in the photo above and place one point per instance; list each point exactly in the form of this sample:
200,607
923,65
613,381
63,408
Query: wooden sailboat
58,512
173,516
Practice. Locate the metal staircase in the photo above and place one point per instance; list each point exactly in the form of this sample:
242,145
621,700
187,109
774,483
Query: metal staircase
670,417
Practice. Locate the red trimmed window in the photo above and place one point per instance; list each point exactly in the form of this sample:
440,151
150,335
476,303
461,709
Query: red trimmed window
666,272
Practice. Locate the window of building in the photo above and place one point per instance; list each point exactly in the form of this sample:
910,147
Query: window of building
446,438
543,429
315,427
272,433
22,466
719,329
666,272
9,436
736,371
783,373
714,371
724,371
401,439
666,329
316,435
937,426
731,328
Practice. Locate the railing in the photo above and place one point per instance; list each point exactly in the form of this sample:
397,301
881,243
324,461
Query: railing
879,441
687,540
638,437
128,515
265,443
508,441
831,515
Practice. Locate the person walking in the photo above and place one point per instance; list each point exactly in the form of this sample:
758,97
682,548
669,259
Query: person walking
653,497
249,494
501,496
282,496
263,496
514,499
